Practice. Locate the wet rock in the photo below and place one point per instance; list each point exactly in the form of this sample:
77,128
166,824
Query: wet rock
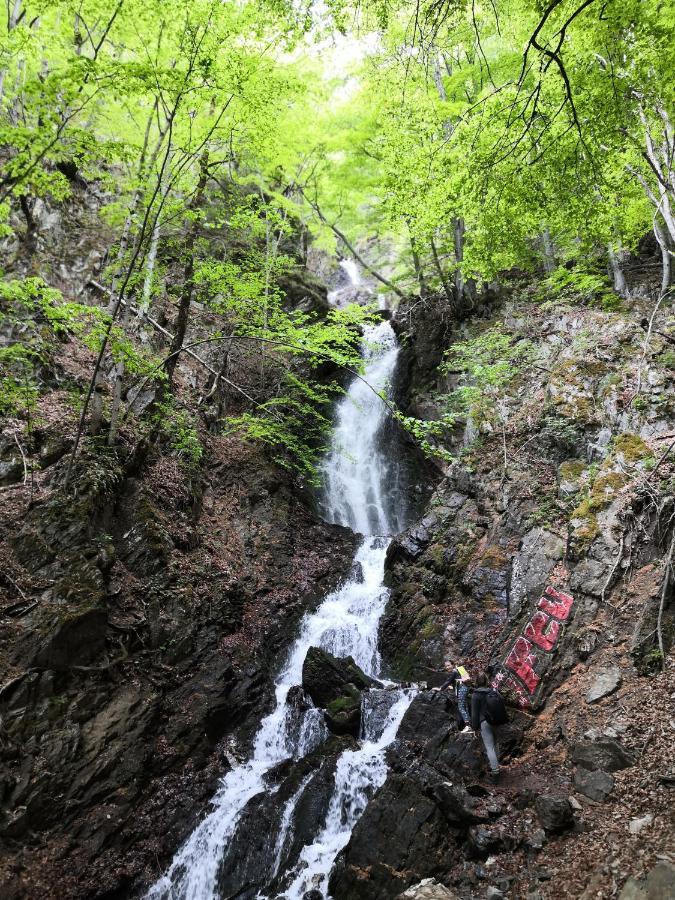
595,784
356,573
324,676
605,683
428,889
401,838
314,894
261,843
335,685
607,755
411,543
555,813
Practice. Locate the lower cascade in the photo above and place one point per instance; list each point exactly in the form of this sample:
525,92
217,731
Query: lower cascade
362,491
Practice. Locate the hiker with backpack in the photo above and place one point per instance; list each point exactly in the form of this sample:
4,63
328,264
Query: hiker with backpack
487,712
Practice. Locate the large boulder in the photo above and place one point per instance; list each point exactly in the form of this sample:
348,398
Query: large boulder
594,784
401,838
607,755
336,685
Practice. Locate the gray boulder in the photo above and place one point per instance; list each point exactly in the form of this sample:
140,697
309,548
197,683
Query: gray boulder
429,889
594,784
658,885
606,682
336,685
607,755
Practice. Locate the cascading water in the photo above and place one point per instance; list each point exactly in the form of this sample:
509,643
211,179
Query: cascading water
360,492
350,287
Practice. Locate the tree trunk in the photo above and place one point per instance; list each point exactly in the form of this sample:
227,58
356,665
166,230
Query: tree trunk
438,81
12,21
666,258
437,263
188,275
417,264
615,258
458,233
548,252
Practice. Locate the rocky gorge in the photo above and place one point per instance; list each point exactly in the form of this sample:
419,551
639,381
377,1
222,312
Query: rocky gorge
147,616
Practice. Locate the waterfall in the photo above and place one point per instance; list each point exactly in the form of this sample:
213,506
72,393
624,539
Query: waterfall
350,286
360,492
352,270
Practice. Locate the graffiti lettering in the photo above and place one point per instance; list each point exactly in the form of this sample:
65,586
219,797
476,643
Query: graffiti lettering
521,661
507,683
542,630
559,607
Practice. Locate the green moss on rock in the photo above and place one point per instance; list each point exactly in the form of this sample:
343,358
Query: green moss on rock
631,446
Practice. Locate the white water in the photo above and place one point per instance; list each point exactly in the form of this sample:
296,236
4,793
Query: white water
357,472
359,773
358,493
351,286
352,270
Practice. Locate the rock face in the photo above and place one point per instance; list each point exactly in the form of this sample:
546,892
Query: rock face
158,603
423,820
336,685
264,843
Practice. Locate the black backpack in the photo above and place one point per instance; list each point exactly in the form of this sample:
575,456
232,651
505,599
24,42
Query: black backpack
495,709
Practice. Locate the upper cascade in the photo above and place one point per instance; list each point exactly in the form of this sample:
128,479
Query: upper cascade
351,286
362,489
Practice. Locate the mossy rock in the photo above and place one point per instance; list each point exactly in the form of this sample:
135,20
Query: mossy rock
631,447
572,470
493,557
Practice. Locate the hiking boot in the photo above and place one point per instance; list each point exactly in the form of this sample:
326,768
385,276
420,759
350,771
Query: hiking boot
493,777
466,730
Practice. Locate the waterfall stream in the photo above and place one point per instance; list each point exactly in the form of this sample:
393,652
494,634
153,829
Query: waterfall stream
362,492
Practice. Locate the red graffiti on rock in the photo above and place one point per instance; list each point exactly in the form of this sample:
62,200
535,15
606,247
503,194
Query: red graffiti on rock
541,632
559,607
521,661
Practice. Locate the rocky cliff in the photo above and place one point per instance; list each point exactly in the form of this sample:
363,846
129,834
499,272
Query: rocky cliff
144,616
545,558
